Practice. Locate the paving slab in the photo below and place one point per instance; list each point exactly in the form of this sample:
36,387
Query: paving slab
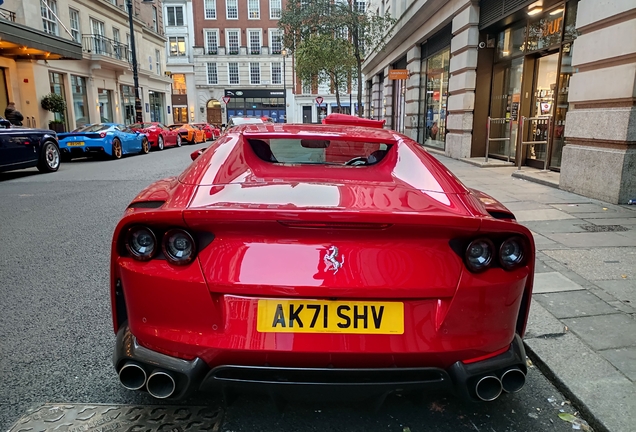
580,208
604,331
603,215
526,205
623,289
594,239
558,226
607,395
597,264
626,222
624,359
541,215
573,304
553,282
542,323
540,240
541,267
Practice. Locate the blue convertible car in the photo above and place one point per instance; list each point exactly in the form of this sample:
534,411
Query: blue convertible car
111,139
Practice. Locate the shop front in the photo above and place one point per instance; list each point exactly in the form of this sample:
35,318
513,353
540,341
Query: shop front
530,74
268,103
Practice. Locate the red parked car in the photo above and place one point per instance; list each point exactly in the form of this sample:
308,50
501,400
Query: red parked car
159,135
211,132
297,259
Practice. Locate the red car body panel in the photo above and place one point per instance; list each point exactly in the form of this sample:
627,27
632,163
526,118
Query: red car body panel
154,130
272,224
210,131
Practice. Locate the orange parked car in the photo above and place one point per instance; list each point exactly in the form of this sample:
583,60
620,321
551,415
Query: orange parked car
190,134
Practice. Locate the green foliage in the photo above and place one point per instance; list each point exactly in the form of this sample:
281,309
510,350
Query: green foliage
54,102
364,31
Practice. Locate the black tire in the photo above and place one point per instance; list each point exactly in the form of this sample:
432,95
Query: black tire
50,157
179,140
145,146
118,151
160,143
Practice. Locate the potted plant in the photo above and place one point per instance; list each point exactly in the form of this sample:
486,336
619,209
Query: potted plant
56,104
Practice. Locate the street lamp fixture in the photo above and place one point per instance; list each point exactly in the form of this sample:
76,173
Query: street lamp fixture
283,53
138,109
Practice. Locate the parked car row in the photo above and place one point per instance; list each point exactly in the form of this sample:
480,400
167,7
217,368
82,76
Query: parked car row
26,147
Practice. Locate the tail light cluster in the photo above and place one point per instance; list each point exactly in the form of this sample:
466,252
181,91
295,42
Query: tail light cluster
508,253
177,245
102,134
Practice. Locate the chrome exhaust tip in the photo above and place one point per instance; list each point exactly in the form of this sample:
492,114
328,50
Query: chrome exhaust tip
488,388
132,376
513,380
161,385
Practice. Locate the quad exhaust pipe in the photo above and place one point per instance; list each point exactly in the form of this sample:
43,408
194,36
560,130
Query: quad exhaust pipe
488,388
159,384
513,380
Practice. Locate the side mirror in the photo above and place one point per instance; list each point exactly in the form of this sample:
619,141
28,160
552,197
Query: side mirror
194,155
136,132
5,124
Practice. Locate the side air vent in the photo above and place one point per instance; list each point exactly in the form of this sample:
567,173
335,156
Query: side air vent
147,204
501,215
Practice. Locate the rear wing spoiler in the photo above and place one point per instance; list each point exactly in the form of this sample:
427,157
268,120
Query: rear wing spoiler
349,120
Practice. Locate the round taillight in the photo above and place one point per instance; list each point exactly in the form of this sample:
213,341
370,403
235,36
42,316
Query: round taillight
479,254
179,247
102,134
511,253
141,243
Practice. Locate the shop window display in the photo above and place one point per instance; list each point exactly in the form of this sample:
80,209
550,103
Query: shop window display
433,128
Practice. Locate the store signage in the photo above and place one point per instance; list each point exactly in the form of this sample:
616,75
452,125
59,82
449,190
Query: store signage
398,74
319,100
551,27
226,99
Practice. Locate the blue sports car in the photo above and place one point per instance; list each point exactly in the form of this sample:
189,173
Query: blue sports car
111,139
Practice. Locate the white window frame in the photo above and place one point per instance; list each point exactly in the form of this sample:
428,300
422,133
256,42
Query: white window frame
208,48
234,4
275,9
280,72
212,74
74,25
272,33
238,73
158,61
49,23
209,9
185,46
255,75
174,15
227,40
252,12
155,17
258,48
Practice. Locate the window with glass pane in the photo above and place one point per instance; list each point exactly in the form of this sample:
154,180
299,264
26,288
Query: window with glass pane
155,25
306,87
255,73
231,9
211,41
255,41
277,73
210,9
361,5
48,16
213,76
80,100
545,32
75,25
232,41
435,99
175,15
511,42
253,9
158,62
179,84
276,42
177,46
275,9
233,72
56,80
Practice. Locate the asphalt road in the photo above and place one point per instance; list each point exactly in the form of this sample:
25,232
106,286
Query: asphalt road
56,335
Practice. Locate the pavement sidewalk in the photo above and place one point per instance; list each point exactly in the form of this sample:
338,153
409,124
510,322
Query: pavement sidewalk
582,326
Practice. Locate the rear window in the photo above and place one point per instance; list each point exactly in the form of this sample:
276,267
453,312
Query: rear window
94,128
319,151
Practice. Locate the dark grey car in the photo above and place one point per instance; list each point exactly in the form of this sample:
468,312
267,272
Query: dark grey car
26,147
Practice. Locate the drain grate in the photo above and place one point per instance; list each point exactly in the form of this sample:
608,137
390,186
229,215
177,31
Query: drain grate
604,228
116,418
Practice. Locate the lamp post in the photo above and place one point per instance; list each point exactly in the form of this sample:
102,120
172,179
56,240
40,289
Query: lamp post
138,109
283,52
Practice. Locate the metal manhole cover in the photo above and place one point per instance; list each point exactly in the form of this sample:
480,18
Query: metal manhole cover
604,228
116,418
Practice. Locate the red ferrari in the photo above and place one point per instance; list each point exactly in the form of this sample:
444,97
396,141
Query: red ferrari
302,259
211,131
158,134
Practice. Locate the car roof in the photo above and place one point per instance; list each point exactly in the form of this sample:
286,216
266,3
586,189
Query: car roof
290,130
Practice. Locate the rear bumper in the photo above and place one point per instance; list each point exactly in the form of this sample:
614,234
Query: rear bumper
291,382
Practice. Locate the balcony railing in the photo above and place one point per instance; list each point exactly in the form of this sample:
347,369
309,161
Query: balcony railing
7,15
100,45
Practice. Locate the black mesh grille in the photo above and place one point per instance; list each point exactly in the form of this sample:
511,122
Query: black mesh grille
438,42
491,11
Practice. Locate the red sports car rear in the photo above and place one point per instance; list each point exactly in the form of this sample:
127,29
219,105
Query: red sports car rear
297,258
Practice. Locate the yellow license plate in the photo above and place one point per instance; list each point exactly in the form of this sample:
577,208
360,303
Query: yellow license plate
75,144
318,316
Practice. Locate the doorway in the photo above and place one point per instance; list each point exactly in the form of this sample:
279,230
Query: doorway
506,104
307,114
214,112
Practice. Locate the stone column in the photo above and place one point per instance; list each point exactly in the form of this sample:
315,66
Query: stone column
386,104
599,158
414,66
376,104
461,85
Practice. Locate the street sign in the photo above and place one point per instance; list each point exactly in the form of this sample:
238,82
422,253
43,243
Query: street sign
398,74
226,99
319,100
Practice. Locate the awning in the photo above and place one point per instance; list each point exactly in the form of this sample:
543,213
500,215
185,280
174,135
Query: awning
342,104
19,41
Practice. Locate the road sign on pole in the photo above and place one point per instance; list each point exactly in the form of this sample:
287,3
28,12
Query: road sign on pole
319,100
226,99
